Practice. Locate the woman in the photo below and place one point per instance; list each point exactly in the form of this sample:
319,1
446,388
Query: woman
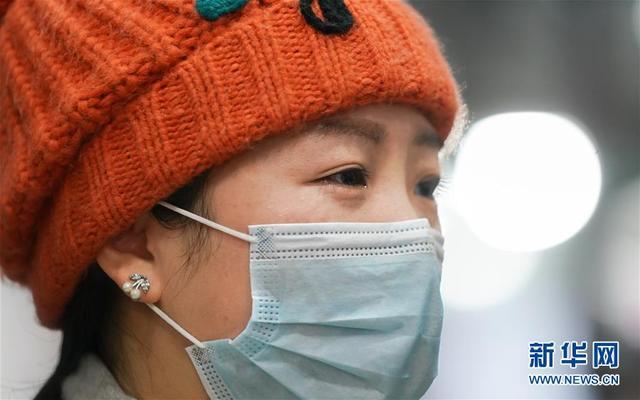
250,180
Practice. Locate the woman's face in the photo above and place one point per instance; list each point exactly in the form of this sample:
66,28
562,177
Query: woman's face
376,163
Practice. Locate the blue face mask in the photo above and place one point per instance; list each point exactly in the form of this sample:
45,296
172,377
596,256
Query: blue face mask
340,311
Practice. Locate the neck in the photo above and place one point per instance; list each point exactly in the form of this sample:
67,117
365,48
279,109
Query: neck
148,358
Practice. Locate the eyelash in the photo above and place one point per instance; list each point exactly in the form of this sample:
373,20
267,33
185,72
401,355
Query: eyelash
364,175
437,189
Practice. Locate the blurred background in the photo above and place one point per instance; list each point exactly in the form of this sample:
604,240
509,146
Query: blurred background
540,210
541,216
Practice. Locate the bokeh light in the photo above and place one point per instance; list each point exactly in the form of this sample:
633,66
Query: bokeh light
526,181
476,275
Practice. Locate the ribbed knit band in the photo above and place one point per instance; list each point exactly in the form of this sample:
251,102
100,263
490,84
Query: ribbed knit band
107,106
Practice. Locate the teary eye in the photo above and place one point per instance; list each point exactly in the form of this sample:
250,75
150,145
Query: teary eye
348,177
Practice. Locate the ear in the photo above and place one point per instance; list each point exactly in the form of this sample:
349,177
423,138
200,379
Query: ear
128,253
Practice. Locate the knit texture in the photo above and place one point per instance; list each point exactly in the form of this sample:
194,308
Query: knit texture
108,106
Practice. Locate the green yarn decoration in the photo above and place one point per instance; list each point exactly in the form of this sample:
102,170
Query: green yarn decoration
213,9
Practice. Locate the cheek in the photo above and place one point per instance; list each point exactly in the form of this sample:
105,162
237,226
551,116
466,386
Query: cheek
287,203
217,296
261,196
434,217
428,209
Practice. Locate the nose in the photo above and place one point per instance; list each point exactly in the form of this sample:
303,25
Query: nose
395,202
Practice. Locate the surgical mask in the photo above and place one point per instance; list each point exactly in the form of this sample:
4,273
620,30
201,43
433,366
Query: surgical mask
341,310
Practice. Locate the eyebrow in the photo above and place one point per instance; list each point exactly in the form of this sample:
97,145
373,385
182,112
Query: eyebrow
370,131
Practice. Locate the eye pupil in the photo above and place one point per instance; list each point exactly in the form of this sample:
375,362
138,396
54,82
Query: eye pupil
352,177
349,177
427,188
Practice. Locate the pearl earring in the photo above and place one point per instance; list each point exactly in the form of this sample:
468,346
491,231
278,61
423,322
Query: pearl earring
140,283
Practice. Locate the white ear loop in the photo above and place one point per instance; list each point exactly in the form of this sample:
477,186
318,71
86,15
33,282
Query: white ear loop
232,232
175,326
211,224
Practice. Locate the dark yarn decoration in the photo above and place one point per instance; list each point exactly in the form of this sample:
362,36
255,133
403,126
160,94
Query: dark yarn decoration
337,17
4,6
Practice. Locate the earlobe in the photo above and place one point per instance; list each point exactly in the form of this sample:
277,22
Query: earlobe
137,285
127,260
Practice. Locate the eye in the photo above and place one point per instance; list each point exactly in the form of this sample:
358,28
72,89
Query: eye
348,177
428,187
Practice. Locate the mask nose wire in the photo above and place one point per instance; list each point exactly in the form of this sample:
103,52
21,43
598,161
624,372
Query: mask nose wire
211,224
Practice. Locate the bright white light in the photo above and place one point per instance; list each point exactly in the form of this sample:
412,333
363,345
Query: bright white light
526,181
476,275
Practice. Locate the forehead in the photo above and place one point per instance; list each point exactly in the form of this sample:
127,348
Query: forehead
376,123
390,114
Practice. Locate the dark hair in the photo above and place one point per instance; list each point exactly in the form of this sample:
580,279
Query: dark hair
87,315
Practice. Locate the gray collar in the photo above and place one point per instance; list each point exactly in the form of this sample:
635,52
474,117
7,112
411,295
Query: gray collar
92,380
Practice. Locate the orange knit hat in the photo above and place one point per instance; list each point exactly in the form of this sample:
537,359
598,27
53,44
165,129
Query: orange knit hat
108,106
